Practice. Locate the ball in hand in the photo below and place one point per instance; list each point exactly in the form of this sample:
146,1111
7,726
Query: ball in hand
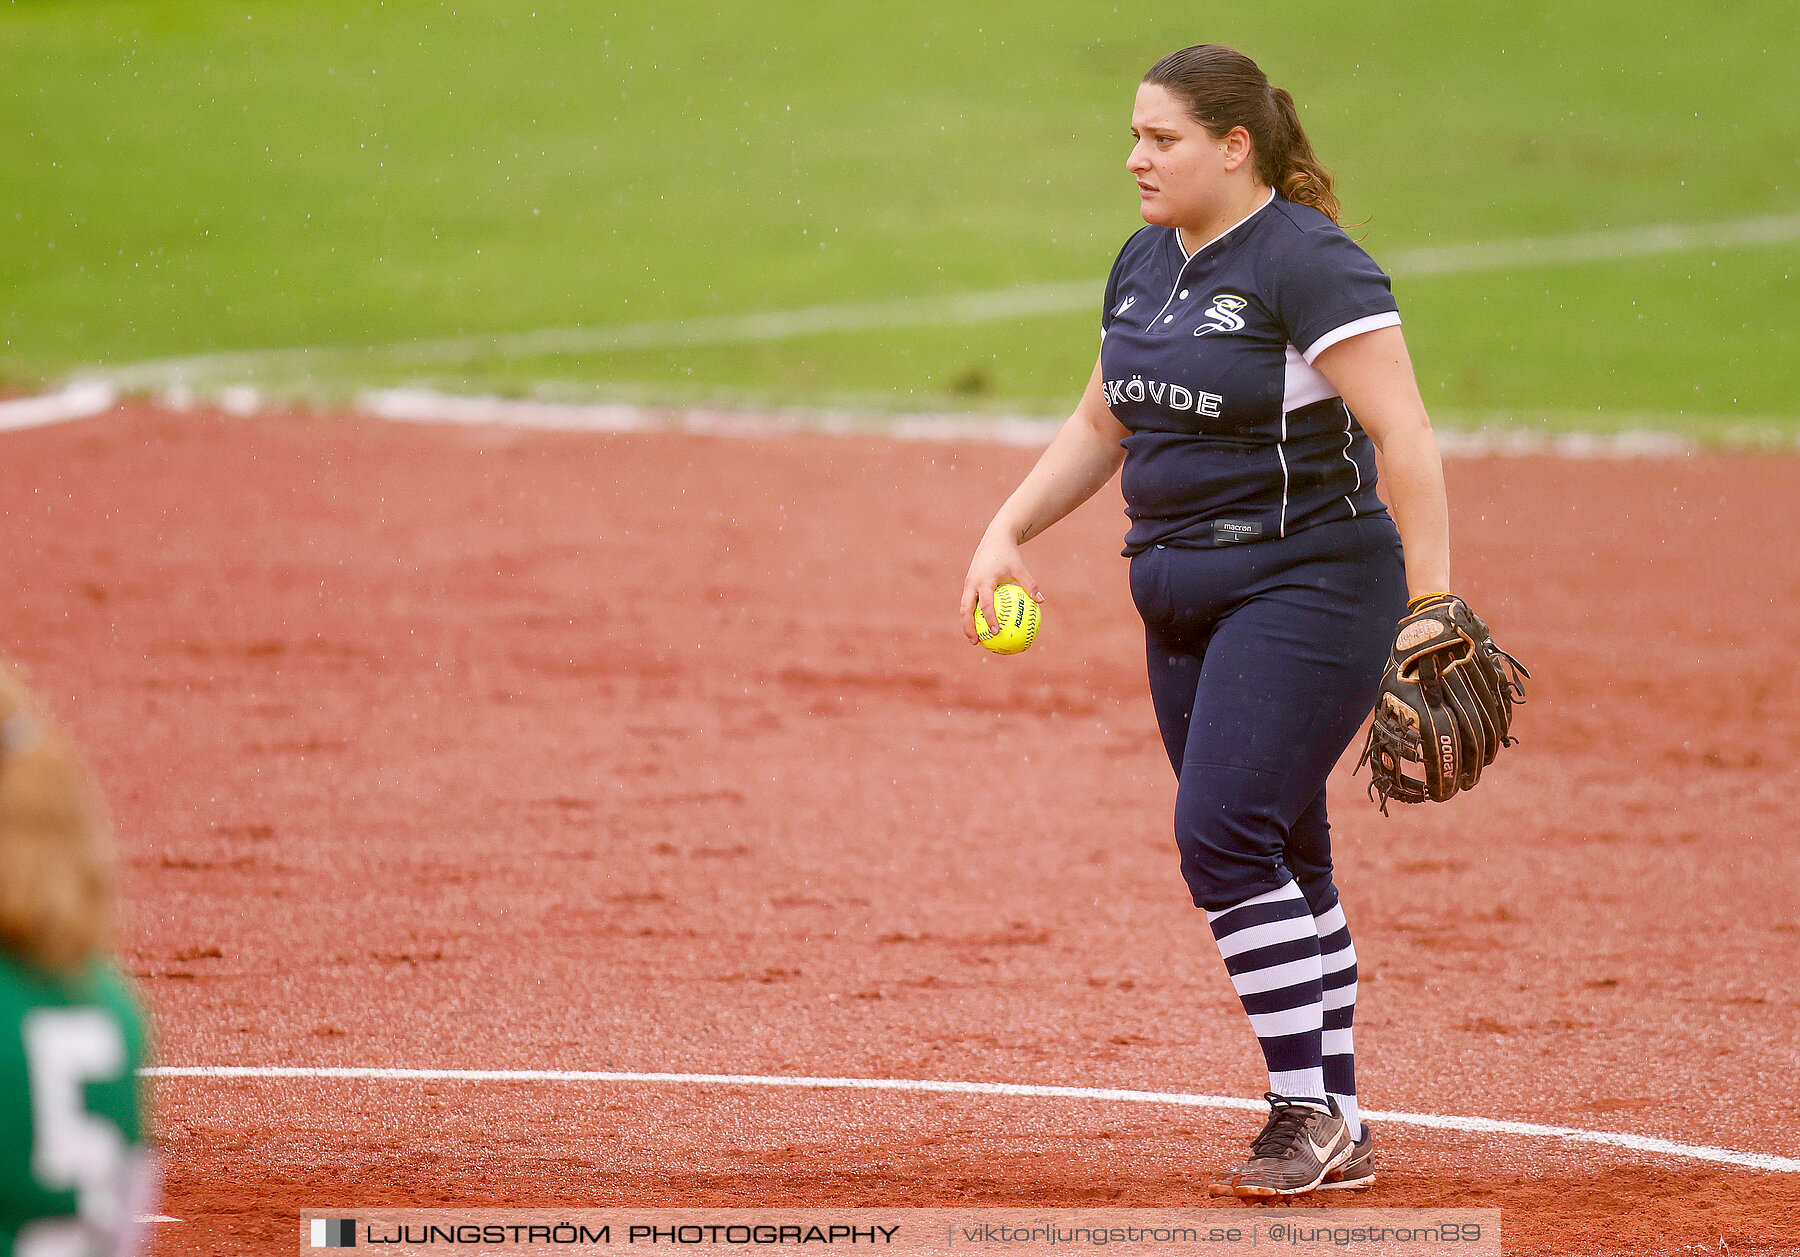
1019,618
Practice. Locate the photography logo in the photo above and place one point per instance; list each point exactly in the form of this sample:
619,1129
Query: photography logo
334,1232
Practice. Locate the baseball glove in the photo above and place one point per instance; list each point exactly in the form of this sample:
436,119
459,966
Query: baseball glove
1445,707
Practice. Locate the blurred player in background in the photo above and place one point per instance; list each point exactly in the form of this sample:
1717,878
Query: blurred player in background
1251,364
76,1173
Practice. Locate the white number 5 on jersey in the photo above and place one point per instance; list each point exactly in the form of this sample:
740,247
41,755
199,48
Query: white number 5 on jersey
73,1149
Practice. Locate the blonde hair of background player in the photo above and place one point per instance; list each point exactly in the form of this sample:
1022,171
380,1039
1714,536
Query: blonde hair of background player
56,885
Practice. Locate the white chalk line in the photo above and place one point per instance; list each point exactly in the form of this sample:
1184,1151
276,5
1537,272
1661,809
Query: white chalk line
80,400
420,405
415,405
967,308
1435,1121
1586,247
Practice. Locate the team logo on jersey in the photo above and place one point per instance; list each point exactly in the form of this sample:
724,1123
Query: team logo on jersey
1124,306
1222,315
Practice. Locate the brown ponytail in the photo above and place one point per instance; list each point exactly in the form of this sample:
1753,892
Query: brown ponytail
1223,89
56,883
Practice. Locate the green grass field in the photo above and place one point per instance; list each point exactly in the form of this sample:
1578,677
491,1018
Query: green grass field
191,177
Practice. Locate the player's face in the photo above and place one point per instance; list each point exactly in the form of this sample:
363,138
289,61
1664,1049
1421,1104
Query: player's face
1181,170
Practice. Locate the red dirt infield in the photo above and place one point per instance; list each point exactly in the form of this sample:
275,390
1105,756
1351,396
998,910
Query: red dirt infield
440,747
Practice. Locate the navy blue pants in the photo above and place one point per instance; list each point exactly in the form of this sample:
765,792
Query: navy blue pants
1264,659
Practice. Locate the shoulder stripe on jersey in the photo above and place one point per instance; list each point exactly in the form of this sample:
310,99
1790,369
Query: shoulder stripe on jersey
1356,327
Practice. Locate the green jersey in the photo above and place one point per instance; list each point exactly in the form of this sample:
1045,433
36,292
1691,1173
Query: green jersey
74,1164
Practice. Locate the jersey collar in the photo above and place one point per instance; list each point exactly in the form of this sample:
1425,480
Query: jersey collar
1187,257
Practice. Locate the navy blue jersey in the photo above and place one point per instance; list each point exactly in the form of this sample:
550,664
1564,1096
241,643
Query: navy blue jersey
1234,437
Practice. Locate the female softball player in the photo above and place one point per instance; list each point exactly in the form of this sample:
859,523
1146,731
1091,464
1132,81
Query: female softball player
75,1170
1251,365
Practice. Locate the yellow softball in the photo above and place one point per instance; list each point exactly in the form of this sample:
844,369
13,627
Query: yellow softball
1019,618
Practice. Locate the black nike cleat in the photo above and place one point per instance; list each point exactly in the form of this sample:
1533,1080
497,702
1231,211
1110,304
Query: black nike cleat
1299,1145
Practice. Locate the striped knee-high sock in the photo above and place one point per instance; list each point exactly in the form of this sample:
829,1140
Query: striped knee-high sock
1338,961
1271,949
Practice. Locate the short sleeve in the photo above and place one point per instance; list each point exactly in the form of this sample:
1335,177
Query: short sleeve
1120,266
1111,300
1328,290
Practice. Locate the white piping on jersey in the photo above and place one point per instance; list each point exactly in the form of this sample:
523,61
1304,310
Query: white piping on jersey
1348,438
1282,531
1187,257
